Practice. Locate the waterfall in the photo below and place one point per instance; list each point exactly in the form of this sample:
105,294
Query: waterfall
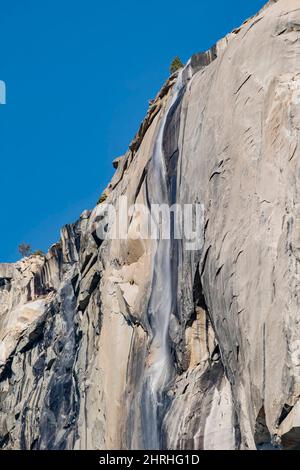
160,368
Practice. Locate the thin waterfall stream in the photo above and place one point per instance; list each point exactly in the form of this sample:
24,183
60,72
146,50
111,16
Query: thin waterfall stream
160,368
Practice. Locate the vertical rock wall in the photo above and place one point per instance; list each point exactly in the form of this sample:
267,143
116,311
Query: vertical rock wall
139,344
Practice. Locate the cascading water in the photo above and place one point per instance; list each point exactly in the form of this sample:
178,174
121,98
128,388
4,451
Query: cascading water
160,367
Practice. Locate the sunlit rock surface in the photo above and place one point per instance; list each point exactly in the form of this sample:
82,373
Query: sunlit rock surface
139,344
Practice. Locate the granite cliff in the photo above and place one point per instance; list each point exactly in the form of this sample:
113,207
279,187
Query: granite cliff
142,344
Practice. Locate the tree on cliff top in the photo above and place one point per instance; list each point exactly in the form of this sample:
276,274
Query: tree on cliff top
25,249
175,65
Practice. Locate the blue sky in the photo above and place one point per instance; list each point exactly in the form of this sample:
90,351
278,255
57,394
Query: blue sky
79,75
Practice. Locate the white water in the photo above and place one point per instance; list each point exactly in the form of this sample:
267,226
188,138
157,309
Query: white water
160,305
160,364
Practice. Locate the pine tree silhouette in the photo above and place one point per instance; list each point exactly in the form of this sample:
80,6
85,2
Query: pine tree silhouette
175,65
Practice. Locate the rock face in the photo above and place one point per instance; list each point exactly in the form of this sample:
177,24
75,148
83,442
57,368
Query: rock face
140,344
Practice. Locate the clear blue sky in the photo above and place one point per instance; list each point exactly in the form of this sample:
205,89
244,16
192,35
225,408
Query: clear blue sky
79,75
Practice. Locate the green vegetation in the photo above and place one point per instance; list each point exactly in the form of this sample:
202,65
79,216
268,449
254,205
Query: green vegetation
176,65
103,198
38,253
25,249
